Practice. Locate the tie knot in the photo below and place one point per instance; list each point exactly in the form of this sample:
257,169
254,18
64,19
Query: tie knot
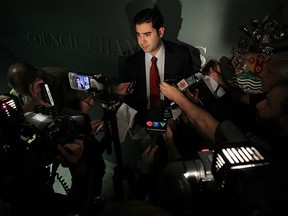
154,59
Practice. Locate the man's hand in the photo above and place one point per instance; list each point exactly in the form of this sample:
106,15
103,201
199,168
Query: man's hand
96,123
121,88
35,91
70,153
170,91
173,152
216,74
148,158
2,97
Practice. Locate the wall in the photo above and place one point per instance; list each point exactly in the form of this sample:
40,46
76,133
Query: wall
94,36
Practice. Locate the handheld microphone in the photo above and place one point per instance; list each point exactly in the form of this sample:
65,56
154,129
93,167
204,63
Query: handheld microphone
157,118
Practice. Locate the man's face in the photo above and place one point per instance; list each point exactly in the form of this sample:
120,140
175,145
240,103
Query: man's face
270,109
270,74
148,38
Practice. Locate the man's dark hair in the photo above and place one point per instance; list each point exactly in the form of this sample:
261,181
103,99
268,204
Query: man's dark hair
149,15
21,75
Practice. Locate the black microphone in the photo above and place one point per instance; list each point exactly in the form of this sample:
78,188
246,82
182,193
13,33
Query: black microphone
156,126
156,121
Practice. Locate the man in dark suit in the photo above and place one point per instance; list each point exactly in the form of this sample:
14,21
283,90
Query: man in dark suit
174,61
78,84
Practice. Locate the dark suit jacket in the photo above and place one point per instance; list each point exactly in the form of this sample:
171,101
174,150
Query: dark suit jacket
178,65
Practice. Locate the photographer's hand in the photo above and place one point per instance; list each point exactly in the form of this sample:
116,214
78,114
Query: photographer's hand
235,92
35,91
173,152
121,88
70,153
148,158
95,124
2,97
202,120
216,74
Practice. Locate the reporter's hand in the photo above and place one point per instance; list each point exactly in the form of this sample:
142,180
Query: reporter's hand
170,91
96,123
121,88
195,96
168,135
35,91
2,97
216,74
148,158
70,153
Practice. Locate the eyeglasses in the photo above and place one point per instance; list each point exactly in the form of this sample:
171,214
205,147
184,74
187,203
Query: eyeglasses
90,104
88,99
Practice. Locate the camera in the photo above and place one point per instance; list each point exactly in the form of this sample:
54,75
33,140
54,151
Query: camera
36,134
228,176
11,112
226,166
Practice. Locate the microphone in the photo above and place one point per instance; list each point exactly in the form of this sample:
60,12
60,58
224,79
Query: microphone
157,117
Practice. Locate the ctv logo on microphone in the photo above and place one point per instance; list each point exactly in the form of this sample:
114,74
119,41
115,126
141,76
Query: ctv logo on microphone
157,126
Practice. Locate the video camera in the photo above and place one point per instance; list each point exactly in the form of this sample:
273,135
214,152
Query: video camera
230,180
99,84
34,133
223,169
236,169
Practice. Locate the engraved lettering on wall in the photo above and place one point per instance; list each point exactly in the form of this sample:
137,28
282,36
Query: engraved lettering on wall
92,43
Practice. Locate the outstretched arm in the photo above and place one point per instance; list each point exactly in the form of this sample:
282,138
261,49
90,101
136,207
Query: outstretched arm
202,120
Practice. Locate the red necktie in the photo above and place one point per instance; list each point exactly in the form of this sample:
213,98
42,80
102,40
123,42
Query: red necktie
154,82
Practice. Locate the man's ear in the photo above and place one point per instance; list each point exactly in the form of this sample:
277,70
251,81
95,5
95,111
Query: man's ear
161,32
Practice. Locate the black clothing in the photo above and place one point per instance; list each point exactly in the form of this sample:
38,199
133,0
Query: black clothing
274,202
178,65
26,181
94,163
27,187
